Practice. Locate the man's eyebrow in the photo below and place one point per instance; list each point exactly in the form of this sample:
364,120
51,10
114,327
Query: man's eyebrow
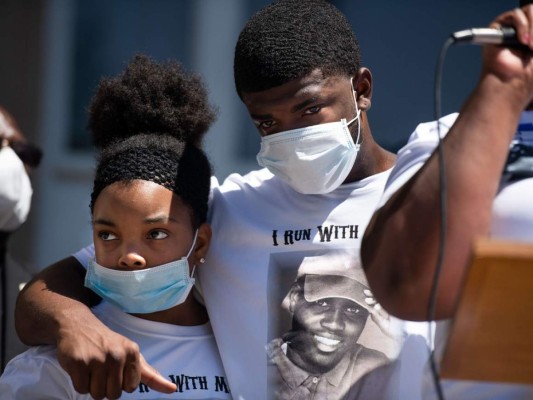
295,108
261,116
303,104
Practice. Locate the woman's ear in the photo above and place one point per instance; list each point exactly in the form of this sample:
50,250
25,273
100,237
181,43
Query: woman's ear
202,243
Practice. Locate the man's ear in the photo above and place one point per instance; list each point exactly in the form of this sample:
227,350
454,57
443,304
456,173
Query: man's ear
362,84
202,243
295,292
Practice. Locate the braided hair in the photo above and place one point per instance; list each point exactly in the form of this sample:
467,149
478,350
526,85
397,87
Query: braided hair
146,130
289,39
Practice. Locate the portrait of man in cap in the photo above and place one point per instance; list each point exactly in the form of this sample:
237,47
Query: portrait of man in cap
321,354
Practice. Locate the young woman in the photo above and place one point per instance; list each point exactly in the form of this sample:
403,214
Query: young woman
149,211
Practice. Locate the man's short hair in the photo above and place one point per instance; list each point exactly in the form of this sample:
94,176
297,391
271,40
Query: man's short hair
289,39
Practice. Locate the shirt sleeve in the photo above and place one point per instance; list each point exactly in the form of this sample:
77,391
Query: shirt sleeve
415,153
34,373
85,255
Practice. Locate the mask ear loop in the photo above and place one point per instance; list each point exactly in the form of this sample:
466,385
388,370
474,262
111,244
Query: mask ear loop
190,251
357,114
193,243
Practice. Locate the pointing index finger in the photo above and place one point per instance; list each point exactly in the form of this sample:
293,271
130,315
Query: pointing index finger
154,380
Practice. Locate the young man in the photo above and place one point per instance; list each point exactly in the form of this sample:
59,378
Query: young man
401,244
297,71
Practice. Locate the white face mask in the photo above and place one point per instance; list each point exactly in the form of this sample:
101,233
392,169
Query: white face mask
15,190
314,159
143,291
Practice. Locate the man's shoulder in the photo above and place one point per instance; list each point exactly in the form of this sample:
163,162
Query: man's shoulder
237,181
415,153
428,131
237,186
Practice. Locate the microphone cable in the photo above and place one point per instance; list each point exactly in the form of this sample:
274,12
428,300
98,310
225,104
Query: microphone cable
443,218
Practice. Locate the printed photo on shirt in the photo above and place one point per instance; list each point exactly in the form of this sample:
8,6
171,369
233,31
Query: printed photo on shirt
330,339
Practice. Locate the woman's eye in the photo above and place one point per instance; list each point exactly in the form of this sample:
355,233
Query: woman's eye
107,236
157,235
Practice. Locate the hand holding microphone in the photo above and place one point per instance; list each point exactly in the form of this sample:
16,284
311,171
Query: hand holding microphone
505,36
509,58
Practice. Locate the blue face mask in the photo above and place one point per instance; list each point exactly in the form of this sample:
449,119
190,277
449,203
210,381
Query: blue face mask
143,291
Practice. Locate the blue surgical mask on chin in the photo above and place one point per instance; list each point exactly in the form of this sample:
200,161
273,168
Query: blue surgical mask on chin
315,159
143,291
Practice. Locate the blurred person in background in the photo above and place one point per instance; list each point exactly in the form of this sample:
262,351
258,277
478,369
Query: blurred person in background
17,159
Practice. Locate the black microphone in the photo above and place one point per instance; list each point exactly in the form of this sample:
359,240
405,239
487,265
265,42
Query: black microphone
505,36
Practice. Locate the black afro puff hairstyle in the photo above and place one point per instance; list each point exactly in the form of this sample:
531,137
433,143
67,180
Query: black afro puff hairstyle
149,123
289,39
150,97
